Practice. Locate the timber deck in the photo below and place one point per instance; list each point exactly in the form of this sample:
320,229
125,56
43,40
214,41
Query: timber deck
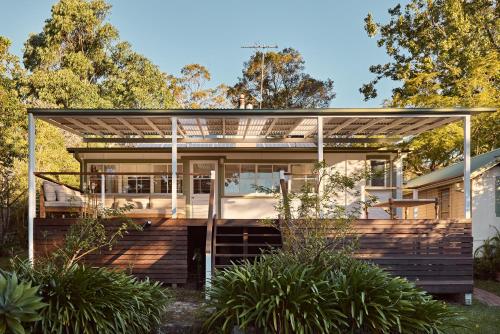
435,254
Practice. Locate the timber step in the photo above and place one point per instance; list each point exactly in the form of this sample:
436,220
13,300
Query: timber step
233,244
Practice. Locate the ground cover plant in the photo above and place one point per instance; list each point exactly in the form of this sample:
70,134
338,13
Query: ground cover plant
82,299
88,300
20,304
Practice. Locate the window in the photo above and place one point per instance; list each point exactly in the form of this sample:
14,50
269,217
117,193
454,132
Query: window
111,181
379,173
138,184
303,177
140,180
242,179
201,179
162,184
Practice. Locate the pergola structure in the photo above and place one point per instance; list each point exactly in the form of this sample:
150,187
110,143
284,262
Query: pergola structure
246,128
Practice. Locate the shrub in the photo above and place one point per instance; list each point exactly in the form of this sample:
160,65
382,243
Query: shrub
279,293
19,303
487,258
373,301
95,300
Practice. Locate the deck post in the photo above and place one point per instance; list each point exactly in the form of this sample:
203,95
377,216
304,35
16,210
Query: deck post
467,181
320,138
174,167
399,182
320,159
31,186
103,190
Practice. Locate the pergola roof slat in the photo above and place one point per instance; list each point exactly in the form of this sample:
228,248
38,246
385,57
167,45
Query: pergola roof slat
264,125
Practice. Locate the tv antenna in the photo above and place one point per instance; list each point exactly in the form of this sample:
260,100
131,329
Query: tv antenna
261,47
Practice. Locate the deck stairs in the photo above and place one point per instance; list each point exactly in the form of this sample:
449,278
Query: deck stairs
236,243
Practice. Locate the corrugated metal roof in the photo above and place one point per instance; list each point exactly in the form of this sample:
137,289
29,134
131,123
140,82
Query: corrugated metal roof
457,170
252,125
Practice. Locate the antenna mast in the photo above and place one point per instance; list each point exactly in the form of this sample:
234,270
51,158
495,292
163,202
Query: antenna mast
261,47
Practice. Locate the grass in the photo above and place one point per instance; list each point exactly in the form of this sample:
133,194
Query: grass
478,319
490,286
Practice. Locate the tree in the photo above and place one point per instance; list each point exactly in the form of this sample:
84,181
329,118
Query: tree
445,53
190,91
78,61
12,139
286,85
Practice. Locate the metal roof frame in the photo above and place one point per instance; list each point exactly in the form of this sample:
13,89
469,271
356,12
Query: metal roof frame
362,125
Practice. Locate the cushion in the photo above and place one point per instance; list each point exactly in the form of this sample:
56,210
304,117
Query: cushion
49,191
76,204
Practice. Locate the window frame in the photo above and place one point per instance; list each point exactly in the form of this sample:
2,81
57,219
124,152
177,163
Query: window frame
387,174
255,178
121,180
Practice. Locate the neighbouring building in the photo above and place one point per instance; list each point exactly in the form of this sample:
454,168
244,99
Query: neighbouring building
447,186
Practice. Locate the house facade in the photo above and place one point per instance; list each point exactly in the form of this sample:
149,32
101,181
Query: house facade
194,177
447,186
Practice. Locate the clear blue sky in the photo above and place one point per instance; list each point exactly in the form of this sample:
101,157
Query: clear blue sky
328,33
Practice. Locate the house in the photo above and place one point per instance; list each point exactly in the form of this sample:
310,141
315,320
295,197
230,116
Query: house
190,176
447,185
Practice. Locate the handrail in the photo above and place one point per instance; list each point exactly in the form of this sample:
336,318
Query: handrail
113,173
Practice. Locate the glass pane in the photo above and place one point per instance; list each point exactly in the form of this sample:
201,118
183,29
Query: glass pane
179,184
232,178
265,176
203,169
161,184
247,179
377,173
232,171
144,184
201,186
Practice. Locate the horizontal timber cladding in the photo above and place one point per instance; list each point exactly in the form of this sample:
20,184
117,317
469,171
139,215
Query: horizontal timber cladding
158,251
436,254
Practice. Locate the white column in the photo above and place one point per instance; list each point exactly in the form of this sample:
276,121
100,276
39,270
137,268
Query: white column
415,208
467,183
399,183
31,185
320,138
103,190
320,158
174,167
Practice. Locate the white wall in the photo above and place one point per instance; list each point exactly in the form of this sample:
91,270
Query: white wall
484,218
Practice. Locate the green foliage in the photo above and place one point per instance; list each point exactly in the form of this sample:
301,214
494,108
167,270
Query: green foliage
94,300
19,304
78,61
190,92
280,293
487,258
100,228
286,85
314,217
445,53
